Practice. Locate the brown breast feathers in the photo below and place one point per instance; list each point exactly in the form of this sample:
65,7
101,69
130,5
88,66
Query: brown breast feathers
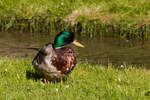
65,61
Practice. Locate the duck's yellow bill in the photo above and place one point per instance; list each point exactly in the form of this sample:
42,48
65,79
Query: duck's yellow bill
75,42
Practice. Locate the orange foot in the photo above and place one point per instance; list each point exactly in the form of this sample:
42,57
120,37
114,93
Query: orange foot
44,80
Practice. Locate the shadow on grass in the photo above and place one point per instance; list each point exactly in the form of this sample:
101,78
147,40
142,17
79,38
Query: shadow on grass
33,75
36,76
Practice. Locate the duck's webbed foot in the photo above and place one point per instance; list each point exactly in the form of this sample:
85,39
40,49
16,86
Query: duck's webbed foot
44,80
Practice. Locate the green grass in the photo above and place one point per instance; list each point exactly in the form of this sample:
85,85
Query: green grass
87,82
61,8
123,18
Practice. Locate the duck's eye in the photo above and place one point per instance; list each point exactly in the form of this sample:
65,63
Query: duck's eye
65,39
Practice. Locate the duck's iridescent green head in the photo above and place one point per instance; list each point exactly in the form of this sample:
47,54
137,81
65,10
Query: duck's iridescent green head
64,38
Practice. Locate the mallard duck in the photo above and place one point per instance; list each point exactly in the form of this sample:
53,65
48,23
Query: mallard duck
55,61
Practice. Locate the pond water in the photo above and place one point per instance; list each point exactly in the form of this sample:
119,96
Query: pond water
97,50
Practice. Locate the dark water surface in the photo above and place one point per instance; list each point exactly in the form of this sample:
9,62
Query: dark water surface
96,51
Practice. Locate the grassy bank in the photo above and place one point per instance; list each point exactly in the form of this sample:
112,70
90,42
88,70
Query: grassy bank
120,18
88,82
